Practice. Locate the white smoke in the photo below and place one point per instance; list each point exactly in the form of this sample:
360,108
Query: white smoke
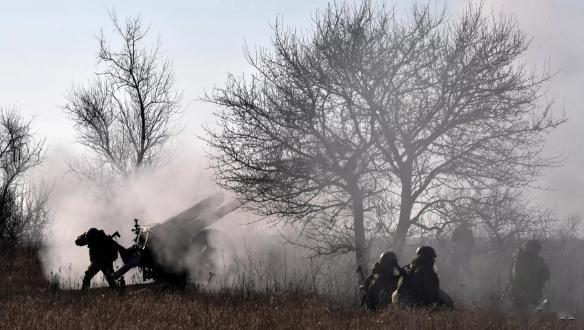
152,197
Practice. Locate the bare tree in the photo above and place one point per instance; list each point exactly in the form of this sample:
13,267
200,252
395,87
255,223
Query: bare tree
34,213
20,150
453,107
295,147
125,115
502,214
416,110
458,111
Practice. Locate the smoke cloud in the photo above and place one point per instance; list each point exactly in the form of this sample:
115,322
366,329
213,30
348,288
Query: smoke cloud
152,197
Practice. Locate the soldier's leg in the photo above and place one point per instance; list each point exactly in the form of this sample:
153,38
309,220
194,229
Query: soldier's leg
89,273
455,264
466,264
395,298
534,297
108,271
402,300
446,300
133,262
519,298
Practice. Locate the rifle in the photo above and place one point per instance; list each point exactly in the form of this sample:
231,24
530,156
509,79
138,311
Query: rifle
363,287
406,283
543,304
401,270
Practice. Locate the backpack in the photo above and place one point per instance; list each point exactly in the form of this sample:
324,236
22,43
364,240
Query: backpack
106,245
111,248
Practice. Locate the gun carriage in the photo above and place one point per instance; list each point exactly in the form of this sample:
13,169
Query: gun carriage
182,248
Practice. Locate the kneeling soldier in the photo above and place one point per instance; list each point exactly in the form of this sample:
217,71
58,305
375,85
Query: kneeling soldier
419,285
379,286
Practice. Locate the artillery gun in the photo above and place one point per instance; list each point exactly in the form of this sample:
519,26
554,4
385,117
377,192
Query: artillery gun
182,248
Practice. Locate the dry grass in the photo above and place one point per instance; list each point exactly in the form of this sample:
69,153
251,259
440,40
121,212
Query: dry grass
28,301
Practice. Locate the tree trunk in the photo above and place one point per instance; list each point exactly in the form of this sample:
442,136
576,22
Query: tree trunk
403,226
359,228
405,210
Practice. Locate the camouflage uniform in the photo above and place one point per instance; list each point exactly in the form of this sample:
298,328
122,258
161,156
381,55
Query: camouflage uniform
382,282
103,251
529,272
419,285
462,245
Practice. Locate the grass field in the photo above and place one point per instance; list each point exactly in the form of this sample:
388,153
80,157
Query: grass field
27,300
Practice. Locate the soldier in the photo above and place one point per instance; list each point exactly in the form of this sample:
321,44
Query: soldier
418,285
528,274
103,251
462,245
379,286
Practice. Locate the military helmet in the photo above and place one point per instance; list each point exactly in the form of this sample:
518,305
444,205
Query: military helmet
92,232
387,258
426,251
532,245
93,235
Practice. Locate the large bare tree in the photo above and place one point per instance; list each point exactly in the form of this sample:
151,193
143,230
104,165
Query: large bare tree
415,109
295,149
126,114
20,151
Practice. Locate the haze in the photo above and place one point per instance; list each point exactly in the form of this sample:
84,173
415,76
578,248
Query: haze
49,46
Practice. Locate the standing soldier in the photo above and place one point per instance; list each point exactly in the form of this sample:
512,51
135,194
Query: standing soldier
462,245
418,285
379,286
103,251
529,272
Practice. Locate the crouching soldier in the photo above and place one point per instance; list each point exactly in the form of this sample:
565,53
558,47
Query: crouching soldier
529,272
379,286
419,286
103,251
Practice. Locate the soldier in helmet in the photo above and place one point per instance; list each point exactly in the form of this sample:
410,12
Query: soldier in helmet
418,285
382,282
103,251
529,272
462,245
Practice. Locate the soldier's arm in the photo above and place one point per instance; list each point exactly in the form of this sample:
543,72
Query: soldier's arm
81,240
401,270
368,280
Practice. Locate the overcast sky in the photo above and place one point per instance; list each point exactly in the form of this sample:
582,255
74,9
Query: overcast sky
46,46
